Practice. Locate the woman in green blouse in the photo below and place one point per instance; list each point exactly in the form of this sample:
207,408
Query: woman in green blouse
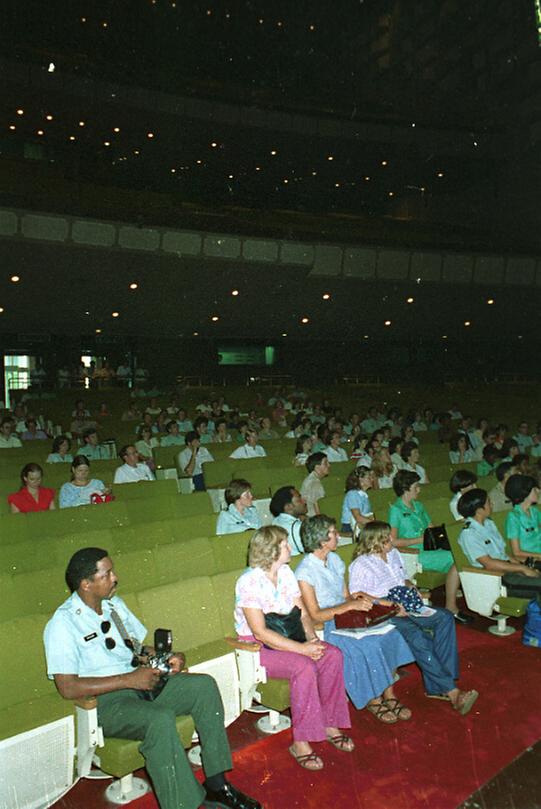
408,519
523,523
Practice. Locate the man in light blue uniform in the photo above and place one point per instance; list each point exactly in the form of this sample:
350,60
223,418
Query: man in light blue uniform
484,546
289,509
91,448
90,645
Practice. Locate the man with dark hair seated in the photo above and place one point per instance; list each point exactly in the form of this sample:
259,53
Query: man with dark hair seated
498,499
191,460
94,646
312,489
484,546
92,449
289,509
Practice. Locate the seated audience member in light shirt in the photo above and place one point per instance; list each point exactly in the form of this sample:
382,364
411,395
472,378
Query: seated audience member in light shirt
461,482
131,470
80,489
289,509
334,452
7,439
251,448
498,499
192,458
172,437
312,488
241,514
60,450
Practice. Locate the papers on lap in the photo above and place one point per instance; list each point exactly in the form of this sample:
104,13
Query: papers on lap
380,629
425,612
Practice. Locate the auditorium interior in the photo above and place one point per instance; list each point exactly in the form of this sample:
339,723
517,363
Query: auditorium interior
303,220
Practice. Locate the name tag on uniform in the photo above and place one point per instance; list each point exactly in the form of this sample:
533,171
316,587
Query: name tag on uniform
91,637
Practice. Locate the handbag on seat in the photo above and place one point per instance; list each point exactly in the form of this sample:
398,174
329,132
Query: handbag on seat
435,538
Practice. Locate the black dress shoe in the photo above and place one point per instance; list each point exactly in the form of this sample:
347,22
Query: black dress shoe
229,797
463,618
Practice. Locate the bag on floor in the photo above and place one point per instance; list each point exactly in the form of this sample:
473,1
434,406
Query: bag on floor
531,635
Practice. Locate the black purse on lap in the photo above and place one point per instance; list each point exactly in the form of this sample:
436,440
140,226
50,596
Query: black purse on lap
288,625
436,539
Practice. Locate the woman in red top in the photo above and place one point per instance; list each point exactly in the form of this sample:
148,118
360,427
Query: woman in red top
32,496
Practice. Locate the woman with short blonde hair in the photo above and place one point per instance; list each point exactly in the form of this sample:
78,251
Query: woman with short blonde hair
314,669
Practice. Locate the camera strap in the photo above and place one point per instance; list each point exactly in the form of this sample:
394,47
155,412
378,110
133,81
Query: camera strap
123,632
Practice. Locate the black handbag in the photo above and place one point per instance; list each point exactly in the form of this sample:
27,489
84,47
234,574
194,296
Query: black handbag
288,625
435,539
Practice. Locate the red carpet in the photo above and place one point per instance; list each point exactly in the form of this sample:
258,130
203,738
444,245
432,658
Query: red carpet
436,760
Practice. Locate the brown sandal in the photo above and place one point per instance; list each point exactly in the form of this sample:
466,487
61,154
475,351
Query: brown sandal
382,712
397,708
465,702
306,759
342,742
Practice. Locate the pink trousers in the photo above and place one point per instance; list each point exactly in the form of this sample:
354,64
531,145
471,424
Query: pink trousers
317,691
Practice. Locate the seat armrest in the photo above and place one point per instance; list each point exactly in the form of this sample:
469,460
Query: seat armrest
246,645
412,551
483,571
86,703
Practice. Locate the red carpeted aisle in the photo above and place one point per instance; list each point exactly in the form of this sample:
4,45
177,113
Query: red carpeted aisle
436,760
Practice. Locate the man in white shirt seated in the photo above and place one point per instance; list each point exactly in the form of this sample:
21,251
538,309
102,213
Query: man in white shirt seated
289,509
131,470
251,448
7,439
190,461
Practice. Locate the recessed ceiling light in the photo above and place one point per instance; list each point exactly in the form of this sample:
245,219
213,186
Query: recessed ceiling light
384,163
312,27
258,168
1,310
116,129
305,320
150,134
215,318
72,137
314,174
387,323
273,152
134,285
444,337
40,132
330,157
409,300
365,337
173,171
12,127
20,112
98,331
490,301
49,117
367,179
284,334
337,185
15,278
81,123
326,296
196,334
286,181
106,143
519,336
391,193
230,176
234,292
440,174
467,322
214,144
115,314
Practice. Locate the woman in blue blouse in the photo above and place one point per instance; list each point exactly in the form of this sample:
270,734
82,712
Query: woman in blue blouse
356,508
60,450
241,514
79,491
369,663
523,523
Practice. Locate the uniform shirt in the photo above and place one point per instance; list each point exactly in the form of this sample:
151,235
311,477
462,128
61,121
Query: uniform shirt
255,590
526,527
369,425
202,456
409,522
312,490
371,574
75,642
355,498
498,499
10,443
145,448
72,496
247,451
327,579
97,453
336,455
482,540
56,457
524,442
232,521
484,469
293,527
131,474
185,426
453,503
172,441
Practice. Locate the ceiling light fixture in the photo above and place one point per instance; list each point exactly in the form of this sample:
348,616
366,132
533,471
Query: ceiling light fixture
490,301
326,296
115,314
384,163
387,323
234,292
305,320
134,285
467,322
409,300
215,318
15,279
98,331
49,117
20,112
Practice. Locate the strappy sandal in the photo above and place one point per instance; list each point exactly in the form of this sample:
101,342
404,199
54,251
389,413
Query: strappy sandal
444,697
400,711
342,742
303,761
465,702
381,710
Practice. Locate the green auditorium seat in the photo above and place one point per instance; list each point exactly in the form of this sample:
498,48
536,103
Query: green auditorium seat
230,551
197,503
146,489
184,560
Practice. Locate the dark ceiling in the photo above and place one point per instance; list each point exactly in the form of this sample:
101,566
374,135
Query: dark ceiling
448,71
